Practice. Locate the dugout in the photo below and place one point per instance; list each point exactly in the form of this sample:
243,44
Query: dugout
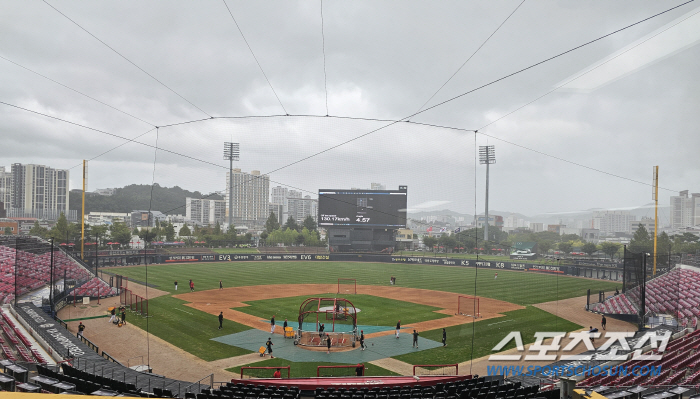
338,316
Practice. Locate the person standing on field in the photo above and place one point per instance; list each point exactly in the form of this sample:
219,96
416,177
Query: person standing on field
176,286
359,370
221,320
272,325
444,337
112,312
81,328
123,315
269,347
603,322
415,338
328,344
221,285
362,339
191,286
398,328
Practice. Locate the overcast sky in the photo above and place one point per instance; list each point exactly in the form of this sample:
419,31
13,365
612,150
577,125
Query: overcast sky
590,143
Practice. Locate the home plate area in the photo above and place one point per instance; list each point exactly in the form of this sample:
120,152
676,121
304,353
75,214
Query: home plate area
377,348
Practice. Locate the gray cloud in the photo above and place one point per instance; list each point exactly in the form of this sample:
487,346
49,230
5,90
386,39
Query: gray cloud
383,60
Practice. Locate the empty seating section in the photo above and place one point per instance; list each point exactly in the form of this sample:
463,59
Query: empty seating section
676,293
33,271
84,382
95,287
15,344
477,388
242,391
680,365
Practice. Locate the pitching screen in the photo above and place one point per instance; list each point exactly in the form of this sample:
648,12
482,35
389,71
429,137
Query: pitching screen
371,208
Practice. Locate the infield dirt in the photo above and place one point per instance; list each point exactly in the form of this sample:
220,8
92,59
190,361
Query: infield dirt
212,301
128,344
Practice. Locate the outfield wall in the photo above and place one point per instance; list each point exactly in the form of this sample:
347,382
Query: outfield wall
597,272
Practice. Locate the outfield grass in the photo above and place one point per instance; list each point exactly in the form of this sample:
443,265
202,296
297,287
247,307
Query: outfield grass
373,310
188,329
522,288
192,330
487,334
308,369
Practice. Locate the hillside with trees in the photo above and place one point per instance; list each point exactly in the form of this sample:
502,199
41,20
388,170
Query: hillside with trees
138,197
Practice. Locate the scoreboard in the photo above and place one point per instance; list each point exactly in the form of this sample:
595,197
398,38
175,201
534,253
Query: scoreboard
369,208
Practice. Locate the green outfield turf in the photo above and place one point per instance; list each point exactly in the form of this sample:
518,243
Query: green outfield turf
188,329
305,369
192,330
373,310
522,288
487,334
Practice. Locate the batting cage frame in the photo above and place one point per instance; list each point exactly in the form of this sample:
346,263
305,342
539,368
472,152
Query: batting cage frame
135,303
435,369
339,313
269,368
347,282
468,305
352,367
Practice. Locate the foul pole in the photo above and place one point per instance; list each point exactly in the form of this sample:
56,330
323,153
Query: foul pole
82,216
656,213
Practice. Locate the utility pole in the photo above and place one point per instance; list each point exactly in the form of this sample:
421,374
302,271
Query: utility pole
487,156
231,153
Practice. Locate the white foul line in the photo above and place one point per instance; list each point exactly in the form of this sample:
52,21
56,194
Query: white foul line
504,321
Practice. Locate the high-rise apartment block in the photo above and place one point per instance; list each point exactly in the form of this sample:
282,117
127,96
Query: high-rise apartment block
36,191
609,222
301,208
685,210
250,195
291,203
5,187
205,211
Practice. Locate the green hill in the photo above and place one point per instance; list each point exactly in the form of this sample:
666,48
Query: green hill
138,197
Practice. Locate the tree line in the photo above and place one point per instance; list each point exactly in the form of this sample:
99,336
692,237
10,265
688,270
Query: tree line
291,233
642,241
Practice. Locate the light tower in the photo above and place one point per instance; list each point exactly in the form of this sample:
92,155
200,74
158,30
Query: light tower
231,153
487,155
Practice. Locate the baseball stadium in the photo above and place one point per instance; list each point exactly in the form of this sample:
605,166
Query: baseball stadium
170,343
298,283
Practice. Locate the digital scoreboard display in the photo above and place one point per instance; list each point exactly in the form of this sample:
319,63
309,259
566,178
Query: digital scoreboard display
369,208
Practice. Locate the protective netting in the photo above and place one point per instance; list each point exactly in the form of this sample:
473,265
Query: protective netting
633,281
435,369
666,294
31,265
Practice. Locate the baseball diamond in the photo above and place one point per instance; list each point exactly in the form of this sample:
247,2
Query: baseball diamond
184,326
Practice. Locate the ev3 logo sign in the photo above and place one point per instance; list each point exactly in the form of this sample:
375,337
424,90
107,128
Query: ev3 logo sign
658,342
